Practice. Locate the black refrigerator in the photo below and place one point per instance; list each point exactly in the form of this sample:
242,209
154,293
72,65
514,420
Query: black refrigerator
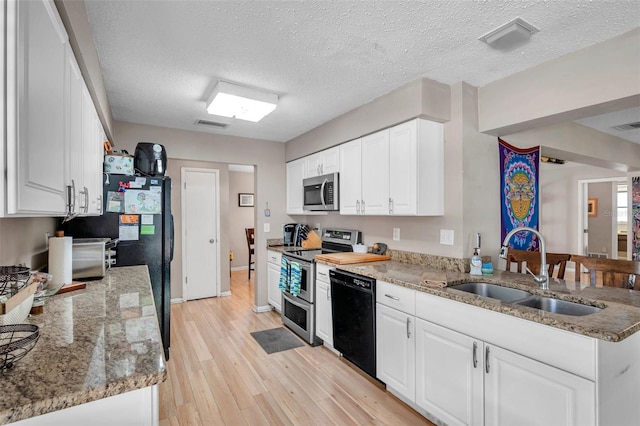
137,211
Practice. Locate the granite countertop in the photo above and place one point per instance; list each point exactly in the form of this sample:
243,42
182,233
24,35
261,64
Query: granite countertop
94,343
619,319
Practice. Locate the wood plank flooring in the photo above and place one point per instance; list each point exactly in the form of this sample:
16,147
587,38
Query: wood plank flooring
219,375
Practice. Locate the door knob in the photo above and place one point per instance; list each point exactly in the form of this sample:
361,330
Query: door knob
212,241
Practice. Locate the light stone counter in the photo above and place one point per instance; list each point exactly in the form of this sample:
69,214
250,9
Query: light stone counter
619,319
94,343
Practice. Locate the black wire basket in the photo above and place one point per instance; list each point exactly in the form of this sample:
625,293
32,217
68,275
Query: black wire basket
16,340
12,279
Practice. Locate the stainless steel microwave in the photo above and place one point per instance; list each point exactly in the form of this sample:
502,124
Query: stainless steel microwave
321,193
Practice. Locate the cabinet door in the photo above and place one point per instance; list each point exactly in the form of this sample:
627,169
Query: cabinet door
403,168
350,177
92,135
295,174
395,350
36,65
313,165
75,140
324,324
375,173
274,294
331,160
519,390
449,375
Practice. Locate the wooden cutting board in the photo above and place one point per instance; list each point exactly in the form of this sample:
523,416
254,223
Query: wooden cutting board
350,257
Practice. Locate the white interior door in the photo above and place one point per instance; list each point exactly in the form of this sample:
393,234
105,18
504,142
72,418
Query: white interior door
200,233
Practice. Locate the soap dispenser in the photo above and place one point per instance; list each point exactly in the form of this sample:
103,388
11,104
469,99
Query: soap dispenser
476,260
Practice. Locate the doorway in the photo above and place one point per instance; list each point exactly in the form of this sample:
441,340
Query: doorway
200,233
600,219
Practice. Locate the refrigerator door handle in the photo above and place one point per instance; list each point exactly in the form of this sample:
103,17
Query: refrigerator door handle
172,238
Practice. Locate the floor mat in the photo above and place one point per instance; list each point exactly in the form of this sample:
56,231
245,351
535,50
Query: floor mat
276,340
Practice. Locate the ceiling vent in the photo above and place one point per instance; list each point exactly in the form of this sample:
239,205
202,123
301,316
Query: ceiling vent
628,126
212,124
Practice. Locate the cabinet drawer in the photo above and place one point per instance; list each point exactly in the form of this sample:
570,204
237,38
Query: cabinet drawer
397,297
322,272
274,257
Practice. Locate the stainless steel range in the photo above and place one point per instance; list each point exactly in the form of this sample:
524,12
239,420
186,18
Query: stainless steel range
298,311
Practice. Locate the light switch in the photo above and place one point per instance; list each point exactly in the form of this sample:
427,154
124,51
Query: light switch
446,237
267,227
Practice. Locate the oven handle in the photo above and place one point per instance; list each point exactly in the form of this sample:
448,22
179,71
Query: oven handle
295,302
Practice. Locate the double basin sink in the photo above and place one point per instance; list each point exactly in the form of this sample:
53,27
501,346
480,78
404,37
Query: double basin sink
518,297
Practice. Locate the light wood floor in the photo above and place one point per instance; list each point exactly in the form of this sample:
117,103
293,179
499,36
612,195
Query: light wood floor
219,375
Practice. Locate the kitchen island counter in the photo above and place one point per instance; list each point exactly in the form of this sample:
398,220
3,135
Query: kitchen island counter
619,319
94,343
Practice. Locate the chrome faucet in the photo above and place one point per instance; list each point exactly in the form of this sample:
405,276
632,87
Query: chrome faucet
543,278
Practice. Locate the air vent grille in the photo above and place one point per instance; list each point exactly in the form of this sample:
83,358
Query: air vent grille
214,124
628,126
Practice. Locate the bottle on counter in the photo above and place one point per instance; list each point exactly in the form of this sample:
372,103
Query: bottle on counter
476,262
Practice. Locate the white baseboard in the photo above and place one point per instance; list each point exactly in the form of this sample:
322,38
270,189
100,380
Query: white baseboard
177,300
225,293
261,309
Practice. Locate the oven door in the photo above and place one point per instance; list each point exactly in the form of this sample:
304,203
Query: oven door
299,316
307,279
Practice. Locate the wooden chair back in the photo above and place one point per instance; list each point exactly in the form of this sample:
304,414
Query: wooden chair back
250,234
609,272
532,260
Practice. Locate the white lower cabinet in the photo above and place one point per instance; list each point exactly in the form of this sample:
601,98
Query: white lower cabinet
519,390
395,351
274,295
324,321
395,339
449,375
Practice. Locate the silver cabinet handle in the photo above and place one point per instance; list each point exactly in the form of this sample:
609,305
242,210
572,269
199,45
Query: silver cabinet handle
358,206
408,328
100,204
362,206
86,202
486,359
390,205
392,297
475,354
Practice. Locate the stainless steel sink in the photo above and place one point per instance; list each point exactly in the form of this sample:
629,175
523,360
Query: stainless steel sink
493,291
556,306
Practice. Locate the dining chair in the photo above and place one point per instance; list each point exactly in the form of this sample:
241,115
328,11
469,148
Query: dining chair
250,234
608,272
531,260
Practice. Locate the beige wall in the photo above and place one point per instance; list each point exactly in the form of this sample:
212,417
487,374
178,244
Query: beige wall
22,240
594,80
267,156
239,218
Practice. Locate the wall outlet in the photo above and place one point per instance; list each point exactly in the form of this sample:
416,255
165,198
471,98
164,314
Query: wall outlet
396,234
267,227
446,237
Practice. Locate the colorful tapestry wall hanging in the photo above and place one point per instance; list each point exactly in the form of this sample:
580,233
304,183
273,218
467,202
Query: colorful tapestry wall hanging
519,194
635,217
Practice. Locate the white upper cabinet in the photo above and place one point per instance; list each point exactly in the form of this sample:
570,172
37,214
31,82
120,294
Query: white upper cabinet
416,168
295,174
397,171
375,174
35,108
53,134
350,177
322,163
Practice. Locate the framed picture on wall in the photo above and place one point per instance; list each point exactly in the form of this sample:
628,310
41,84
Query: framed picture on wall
592,207
245,200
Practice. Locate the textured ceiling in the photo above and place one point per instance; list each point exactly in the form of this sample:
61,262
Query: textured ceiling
161,59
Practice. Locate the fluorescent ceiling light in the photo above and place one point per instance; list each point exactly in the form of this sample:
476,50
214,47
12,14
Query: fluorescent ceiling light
230,100
514,32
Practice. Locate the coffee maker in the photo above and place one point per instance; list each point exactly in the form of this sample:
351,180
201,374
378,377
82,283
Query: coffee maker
289,234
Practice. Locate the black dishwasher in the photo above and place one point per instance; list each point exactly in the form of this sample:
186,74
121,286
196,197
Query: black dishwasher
353,303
